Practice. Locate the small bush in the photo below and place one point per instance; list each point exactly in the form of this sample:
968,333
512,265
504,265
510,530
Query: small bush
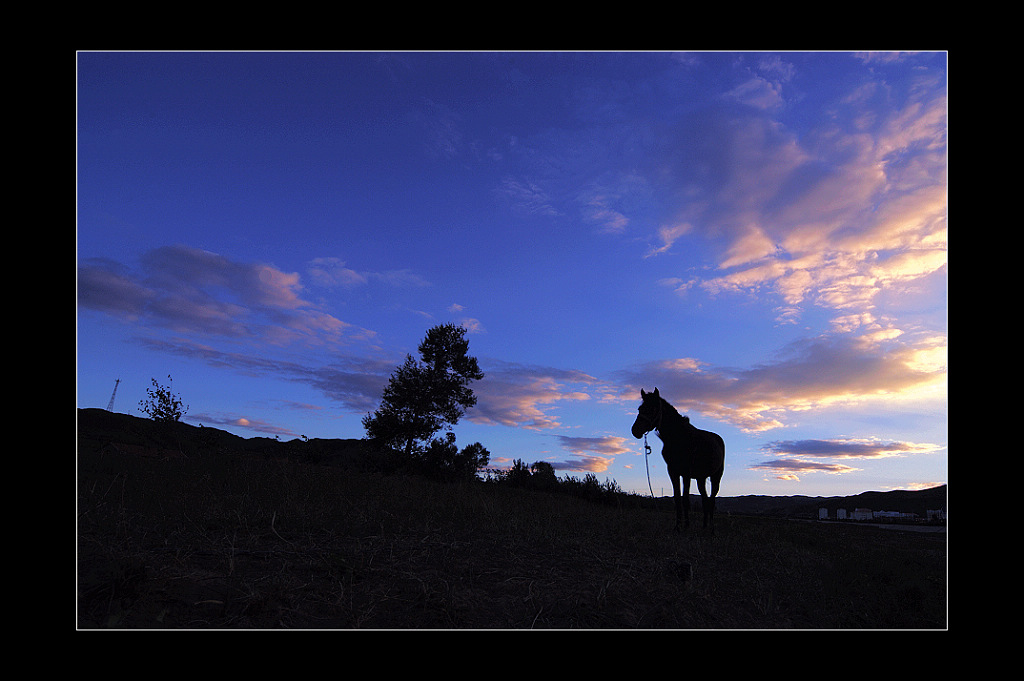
161,404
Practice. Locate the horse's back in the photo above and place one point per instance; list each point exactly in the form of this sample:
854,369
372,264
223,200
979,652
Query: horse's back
699,456
715,450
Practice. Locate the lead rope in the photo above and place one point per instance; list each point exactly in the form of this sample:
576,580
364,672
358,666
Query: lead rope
647,453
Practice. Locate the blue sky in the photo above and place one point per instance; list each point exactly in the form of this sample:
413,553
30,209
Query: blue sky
762,236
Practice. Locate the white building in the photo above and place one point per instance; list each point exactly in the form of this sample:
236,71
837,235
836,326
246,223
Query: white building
894,515
862,514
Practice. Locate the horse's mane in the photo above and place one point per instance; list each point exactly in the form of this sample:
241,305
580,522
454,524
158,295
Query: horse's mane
667,408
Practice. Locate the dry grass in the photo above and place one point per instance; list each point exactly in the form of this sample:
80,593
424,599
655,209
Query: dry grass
235,541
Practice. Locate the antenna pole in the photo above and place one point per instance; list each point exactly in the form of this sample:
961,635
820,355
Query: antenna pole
110,404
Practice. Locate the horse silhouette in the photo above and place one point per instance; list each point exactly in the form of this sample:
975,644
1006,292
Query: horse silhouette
689,452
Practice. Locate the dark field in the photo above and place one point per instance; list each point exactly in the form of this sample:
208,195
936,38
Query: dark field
213,537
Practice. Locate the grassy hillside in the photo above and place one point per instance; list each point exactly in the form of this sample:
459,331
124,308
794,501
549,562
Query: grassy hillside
185,527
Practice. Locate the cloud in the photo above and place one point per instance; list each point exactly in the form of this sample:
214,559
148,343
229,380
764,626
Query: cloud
444,138
104,285
758,93
588,464
510,394
194,291
813,373
594,454
608,445
791,469
356,383
833,216
404,277
668,234
848,448
753,245
472,325
523,396
773,67
794,455
255,425
527,197
597,209
331,273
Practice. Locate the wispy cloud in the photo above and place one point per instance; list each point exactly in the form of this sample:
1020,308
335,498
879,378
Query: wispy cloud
848,448
355,383
798,457
607,445
527,197
472,325
757,92
598,210
668,235
194,291
442,126
512,394
255,425
331,272
833,216
584,463
509,395
792,469
594,454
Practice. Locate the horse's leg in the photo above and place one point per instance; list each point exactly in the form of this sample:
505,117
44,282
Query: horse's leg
703,498
716,481
686,501
675,497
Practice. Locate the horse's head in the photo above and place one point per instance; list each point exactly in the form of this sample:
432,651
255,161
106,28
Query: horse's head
648,415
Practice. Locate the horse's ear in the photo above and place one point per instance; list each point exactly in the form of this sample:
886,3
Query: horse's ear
642,394
656,393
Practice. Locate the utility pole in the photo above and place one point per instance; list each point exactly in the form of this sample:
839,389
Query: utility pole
110,405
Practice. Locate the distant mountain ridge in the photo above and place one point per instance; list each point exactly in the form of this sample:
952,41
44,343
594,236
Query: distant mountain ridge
905,501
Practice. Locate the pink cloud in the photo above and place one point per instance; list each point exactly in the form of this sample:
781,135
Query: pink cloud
799,457
525,396
832,218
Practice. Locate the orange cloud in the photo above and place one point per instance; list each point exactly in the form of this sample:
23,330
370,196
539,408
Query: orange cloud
609,445
811,374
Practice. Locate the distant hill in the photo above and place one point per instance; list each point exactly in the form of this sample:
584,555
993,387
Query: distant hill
804,506
99,428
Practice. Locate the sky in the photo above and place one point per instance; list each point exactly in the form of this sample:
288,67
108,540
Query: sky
761,236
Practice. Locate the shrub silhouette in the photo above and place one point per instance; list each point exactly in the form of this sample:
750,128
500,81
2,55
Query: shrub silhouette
441,459
161,404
